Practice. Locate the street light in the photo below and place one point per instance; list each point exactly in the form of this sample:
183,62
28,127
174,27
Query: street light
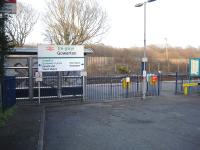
144,59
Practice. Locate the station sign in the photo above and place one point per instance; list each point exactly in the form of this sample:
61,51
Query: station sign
60,58
60,51
9,7
194,66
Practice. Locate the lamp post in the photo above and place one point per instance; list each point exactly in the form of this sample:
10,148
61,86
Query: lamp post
144,59
167,54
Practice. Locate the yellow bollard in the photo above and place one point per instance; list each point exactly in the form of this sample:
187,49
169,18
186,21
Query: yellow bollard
185,90
186,86
124,85
126,82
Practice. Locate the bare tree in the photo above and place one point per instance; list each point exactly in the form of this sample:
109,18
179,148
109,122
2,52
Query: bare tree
74,21
20,25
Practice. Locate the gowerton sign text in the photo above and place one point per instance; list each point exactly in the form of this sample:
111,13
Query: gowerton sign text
60,51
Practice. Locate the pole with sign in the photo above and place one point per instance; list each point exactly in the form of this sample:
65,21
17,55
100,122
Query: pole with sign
84,75
57,58
38,79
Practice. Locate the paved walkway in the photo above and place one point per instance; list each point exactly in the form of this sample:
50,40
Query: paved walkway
157,123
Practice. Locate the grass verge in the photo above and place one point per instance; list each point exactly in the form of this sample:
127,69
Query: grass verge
4,117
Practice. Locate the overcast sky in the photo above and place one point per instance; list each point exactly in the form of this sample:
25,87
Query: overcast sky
178,21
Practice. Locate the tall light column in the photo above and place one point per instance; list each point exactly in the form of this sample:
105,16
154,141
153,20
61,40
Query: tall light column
144,59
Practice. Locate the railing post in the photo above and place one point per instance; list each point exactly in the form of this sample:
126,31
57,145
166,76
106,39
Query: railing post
111,87
59,85
2,92
30,77
189,88
176,86
84,86
137,83
159,80
127,88
182,79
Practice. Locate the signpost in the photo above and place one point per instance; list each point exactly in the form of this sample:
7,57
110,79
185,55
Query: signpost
9,7
38,79
194,66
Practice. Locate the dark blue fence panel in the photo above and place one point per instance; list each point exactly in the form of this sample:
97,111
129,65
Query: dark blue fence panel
9,94
22,93
72,91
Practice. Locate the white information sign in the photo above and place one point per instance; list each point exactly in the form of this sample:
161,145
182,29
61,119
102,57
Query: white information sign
194,67
83,73
60,58
60,64
144,59
144,73
60,51
38,76
128,80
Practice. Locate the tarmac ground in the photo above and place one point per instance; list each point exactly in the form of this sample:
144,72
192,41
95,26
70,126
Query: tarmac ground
156,123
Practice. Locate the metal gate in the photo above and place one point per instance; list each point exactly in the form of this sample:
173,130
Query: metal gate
105,82
111,88
56,86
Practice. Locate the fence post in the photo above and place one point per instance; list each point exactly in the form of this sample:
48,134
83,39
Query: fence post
127,85
1,93
189,88
176,86
59,85
84,87
111,87
159,78
137,83
182,83
30,60
83,84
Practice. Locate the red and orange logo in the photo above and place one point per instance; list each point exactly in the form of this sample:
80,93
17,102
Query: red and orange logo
50,48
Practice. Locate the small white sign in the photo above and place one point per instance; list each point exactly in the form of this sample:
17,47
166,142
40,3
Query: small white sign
38,76
144,74
128,80
83,73
60,64
144,59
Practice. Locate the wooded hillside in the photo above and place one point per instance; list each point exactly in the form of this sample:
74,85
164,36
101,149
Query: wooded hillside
108,59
